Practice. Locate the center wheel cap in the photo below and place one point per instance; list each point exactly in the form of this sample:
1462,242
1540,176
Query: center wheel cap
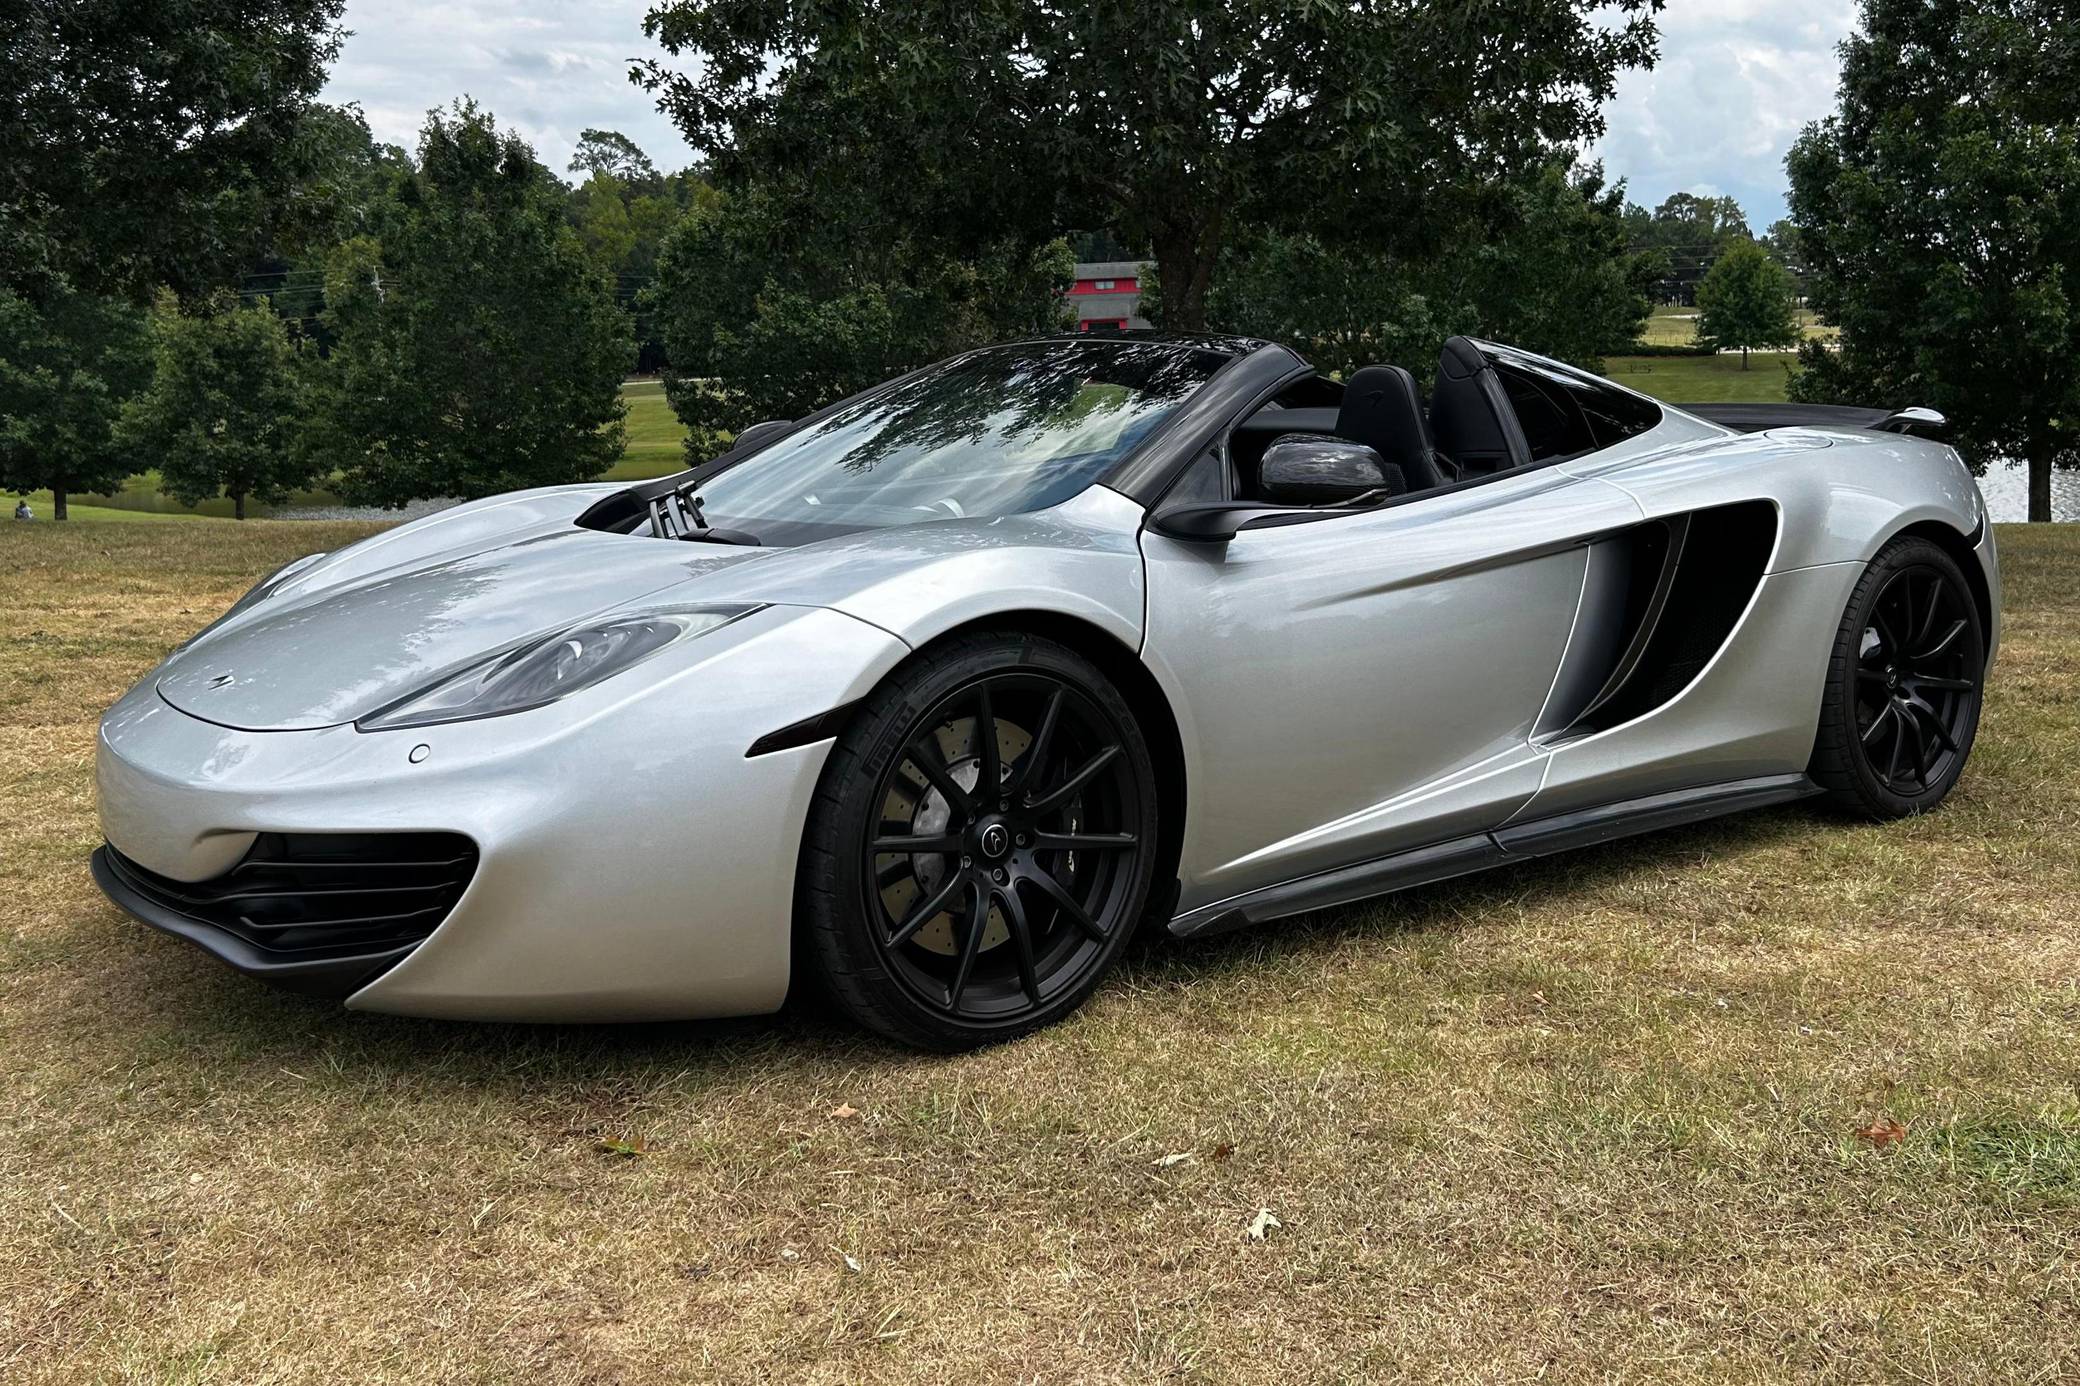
994,841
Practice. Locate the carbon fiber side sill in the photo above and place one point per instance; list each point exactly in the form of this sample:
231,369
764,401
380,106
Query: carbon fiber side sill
1463,855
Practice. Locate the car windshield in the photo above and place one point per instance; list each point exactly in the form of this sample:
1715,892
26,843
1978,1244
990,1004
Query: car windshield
992,433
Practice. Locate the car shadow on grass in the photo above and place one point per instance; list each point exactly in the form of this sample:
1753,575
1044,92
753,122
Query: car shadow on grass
203,1008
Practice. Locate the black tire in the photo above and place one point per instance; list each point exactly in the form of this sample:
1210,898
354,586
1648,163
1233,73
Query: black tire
1003,913
1903,687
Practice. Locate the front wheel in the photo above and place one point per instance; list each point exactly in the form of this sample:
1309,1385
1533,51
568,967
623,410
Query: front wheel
1904,687
981,844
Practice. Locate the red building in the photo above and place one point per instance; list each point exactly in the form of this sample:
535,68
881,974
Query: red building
1107,294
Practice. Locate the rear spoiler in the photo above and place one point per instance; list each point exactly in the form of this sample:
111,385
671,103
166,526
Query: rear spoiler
1753,418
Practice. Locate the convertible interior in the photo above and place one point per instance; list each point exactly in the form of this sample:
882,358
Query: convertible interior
1490,409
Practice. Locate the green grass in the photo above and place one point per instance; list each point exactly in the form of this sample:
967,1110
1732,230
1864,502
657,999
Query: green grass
655,435
1704,379
1591,1117
1671,324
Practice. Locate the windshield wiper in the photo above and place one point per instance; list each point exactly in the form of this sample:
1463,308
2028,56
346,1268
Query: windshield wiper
677,515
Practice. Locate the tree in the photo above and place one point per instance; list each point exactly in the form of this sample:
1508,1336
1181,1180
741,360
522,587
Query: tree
616,155
67,363
1173,122
477,348
1938,210
143,144
1746,301
1552,273
763,317
1693,232
224,414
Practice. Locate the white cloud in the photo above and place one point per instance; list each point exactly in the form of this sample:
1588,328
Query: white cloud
1737,81
545,69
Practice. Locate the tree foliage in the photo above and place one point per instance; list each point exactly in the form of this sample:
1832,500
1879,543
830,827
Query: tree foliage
616,155
1942,234
478,349
1746,302
1173,122
1692,231
143,144
765,316
68,361
225,412
1552,273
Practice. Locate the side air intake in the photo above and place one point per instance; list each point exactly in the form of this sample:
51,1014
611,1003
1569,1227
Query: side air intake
1686,579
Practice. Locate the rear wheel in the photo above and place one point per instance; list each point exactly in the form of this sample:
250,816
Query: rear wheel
981,844
1903,691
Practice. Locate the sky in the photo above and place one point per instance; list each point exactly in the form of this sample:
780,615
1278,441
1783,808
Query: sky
1736,82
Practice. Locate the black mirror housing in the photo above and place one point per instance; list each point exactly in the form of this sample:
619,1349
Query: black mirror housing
759,433
1307,469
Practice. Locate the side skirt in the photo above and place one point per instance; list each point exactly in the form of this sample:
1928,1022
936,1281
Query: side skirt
1463,855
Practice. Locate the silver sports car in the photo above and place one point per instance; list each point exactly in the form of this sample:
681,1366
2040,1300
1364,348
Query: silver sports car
927,699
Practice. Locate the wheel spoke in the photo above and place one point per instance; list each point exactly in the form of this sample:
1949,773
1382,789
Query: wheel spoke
971,946
1870,733
1947,685
1935,606
1926,713
925,913
990,777
924,754
1021,940
1029,764
1867,675
941,844
1084,842
1886,639
1066,790
1913,725
1943,644
1067,903
1899,746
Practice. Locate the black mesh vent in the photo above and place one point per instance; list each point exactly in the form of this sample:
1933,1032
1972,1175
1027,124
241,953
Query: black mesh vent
310,897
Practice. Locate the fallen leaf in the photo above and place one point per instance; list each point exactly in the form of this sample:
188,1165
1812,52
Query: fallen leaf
851,1263
1223,1151
1260,1226
1882,1134
844,1111
1181,1157
629,1149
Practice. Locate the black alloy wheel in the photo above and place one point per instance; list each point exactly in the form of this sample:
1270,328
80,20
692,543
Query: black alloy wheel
1904,694
983,844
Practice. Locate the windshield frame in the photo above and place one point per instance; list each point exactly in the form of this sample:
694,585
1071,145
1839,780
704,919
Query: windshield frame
1237,351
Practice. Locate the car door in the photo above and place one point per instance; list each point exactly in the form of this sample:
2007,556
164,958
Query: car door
1350,687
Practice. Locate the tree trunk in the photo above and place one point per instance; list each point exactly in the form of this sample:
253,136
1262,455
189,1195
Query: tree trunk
1185,257
2040,484
238,505
1744,358
58,502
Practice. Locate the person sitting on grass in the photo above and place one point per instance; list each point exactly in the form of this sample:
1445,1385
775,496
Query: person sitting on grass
22,510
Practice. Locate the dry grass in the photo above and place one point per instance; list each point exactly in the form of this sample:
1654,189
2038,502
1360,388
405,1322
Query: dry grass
1587,1118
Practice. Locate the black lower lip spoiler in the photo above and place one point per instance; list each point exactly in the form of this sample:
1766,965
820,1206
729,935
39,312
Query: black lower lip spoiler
334,978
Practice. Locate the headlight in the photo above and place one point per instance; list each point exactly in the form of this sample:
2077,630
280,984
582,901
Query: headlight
261,591
550,667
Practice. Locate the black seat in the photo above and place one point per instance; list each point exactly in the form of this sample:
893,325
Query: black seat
1471,417
1382,410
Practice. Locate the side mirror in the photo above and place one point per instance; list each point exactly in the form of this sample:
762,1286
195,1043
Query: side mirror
1305,470
758,434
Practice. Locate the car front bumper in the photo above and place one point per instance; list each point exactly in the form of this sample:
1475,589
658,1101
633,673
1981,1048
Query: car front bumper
633,862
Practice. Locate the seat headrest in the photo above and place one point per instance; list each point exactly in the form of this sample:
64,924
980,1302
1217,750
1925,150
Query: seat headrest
1383,409
1471,417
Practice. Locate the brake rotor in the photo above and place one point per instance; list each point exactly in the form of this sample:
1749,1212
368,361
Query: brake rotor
928,815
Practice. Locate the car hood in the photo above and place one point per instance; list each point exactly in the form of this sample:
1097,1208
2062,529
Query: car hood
329,649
